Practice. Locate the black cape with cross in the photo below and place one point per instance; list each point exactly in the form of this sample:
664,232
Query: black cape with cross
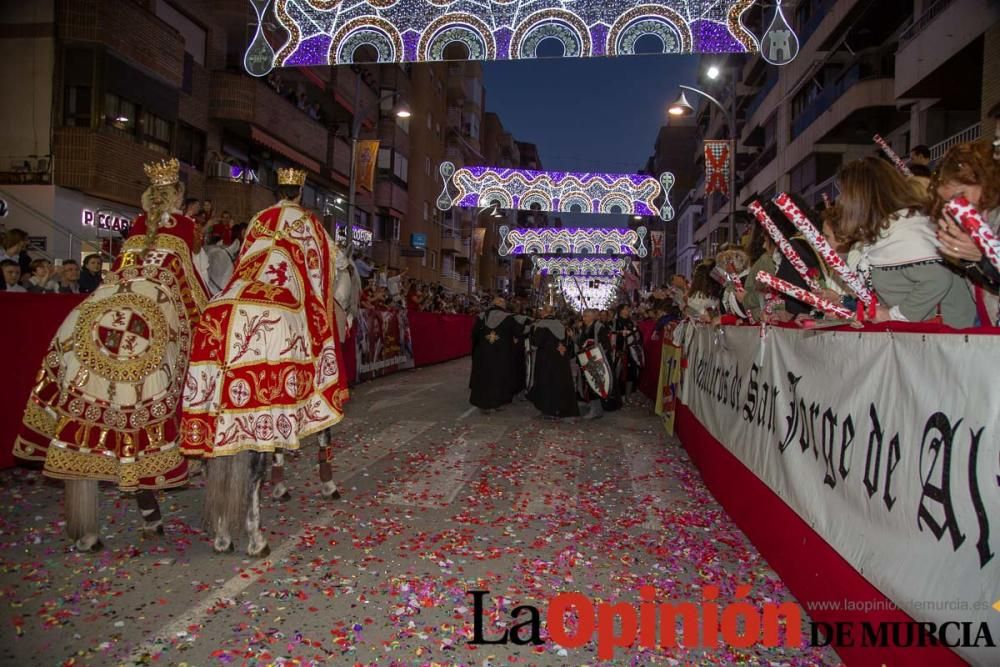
552,390
493,365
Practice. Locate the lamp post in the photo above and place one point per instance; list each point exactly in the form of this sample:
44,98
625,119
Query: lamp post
359,115
683,108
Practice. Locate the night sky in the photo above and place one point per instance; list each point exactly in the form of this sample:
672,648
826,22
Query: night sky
587,114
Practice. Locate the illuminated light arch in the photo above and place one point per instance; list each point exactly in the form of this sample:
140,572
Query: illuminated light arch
550,240
501,197
580,293
567,203
499,29
365,31
665,23
559,24
581,266
535,197
613,200
556,191
457,27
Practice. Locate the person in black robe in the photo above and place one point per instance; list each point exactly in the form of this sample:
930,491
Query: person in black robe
551,388
492,380
625,368
598,332
521,342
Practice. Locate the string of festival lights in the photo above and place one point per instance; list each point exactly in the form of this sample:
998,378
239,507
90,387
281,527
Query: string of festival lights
581,266
329,32
582,294
556,191
556,241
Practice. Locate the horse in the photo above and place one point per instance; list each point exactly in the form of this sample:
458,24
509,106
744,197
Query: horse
347,299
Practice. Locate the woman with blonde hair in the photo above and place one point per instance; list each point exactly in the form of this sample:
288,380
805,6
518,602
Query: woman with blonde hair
105,402
970,171
882,214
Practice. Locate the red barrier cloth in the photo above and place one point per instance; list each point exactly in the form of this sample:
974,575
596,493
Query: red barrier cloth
30,322
649,379
438,337
809,566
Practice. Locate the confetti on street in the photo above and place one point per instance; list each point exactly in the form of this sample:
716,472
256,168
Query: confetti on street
508,503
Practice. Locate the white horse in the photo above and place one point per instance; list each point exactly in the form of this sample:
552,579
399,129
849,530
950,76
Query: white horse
347,301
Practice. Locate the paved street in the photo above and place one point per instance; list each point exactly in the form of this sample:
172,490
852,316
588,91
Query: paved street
437,500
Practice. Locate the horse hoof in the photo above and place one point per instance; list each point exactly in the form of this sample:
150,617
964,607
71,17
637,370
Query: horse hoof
333,496
228,550
263,553
153,529
92,548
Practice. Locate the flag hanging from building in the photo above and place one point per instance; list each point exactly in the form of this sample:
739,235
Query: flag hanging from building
657,239
716,166
478,239
365,161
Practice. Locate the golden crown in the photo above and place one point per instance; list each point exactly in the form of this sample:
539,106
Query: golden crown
291,176
164,172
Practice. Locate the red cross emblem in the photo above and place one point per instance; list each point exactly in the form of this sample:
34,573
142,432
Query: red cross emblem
123,333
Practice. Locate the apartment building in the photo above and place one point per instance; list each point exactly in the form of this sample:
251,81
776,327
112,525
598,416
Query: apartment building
672,150
913,71
500,150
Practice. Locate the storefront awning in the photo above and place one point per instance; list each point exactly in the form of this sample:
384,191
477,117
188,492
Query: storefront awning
265,139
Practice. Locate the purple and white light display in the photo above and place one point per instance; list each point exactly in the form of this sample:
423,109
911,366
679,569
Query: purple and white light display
556,191
558,241
329,32
581,266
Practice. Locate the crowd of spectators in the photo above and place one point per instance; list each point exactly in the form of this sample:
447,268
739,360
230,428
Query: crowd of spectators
889,227
295,94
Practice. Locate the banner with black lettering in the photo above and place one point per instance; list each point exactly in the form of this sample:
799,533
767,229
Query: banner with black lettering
887,445
383,343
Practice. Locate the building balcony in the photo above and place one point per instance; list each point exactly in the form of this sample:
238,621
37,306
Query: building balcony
933,39
389,194
453,244
240,98
241,199
867,75
969,134
348,85
128,29
100,162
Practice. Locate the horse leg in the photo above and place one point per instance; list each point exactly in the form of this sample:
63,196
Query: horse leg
328,489
81,514
150,510
258,547
221,496
279,490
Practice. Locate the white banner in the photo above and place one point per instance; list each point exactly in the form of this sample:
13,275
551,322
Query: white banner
887,445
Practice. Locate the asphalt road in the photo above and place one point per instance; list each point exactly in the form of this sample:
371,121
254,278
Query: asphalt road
438,501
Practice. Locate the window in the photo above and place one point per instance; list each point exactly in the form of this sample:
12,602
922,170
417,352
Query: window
426,212
423,259
190,145
401,167
434,259
119,114
427,166
385,159
403,124
76,106
156,133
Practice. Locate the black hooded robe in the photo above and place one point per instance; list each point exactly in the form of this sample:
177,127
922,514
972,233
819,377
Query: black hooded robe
552,390
492,380
599,331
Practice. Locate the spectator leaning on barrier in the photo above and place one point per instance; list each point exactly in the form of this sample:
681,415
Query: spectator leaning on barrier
91,275
11,276
969,170
884,214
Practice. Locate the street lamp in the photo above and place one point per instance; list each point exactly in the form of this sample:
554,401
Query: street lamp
401,111
683,108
